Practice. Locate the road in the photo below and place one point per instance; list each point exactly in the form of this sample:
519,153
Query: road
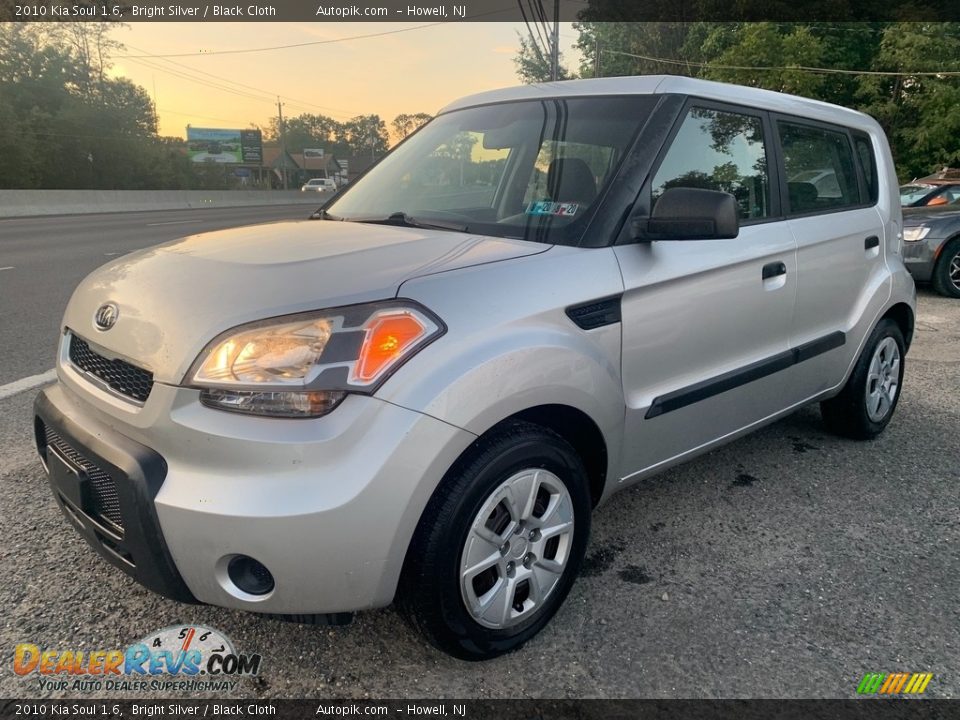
786,564
43,259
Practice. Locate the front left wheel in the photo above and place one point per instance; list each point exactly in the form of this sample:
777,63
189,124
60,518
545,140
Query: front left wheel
500,543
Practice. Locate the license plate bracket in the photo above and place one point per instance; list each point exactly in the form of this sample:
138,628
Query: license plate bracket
68,479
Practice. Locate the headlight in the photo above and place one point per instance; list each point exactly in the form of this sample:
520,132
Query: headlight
303,365
914,234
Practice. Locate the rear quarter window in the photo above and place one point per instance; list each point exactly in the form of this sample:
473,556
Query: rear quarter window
868,166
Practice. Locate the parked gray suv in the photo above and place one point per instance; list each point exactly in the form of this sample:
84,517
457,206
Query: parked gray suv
547,294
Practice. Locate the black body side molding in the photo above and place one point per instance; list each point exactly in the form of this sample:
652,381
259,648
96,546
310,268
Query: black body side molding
741,376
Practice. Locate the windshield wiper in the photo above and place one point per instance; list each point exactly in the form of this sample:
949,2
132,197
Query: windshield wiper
401,219
324,215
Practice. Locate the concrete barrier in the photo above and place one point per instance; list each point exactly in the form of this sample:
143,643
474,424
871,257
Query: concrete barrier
25,203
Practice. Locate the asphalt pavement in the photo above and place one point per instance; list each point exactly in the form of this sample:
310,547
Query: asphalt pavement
43,258
786,564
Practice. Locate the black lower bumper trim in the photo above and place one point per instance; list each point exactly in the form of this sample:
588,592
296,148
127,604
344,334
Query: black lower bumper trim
135,544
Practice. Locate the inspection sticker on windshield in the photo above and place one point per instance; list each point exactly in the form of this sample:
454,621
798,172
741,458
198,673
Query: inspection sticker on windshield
545,207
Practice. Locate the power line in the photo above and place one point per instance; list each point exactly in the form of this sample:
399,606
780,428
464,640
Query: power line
199,81
203,117
498,11
294,45
534,43
539,22
804,68
298,103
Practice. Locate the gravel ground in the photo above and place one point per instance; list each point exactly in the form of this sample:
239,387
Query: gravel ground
786,564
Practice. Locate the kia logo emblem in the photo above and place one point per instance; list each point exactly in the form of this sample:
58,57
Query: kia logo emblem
106,316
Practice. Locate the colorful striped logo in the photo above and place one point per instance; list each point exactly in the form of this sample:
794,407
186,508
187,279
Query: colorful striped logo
894,683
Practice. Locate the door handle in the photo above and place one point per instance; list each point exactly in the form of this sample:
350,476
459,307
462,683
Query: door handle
771,270
871,242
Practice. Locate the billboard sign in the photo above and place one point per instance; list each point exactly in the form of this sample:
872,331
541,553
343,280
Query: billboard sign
213,145
312,153
251,147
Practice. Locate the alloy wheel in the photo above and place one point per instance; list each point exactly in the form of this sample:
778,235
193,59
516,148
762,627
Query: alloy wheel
517,548
883,379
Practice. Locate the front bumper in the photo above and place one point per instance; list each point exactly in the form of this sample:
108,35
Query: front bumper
327,505
920,257
105,484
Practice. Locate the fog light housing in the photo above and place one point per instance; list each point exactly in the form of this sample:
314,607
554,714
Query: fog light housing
249,575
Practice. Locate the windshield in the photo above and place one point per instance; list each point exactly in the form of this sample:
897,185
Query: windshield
532,169
912,193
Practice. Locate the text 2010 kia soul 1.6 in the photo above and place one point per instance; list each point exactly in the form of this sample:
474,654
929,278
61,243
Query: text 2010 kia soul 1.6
545,295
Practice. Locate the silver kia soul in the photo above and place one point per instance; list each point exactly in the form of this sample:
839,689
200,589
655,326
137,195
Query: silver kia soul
547,294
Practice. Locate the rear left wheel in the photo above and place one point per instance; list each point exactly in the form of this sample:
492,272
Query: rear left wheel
499,544
865,405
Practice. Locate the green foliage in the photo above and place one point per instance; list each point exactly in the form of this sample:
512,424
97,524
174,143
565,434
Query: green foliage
360,135
533,66
65,124
404,124
919,113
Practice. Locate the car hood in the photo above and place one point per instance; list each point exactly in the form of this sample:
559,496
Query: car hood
925,215
174,298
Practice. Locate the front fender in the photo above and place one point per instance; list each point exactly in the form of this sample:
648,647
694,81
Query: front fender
512,350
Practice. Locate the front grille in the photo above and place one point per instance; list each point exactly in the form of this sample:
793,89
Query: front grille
126,379
103,492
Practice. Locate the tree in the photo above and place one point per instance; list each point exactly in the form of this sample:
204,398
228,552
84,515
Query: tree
365,134
918,112
612,49
306,131
405,124
533,66
764,45
65,124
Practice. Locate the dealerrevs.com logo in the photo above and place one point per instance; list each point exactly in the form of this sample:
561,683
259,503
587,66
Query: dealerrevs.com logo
177,658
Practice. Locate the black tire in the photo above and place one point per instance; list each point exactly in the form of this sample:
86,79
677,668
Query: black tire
949,261
430,590
847,413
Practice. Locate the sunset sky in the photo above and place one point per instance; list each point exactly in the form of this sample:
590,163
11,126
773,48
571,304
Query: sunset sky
418,70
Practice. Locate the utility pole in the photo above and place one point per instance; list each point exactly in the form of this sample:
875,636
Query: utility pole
555,49
596,58
283,143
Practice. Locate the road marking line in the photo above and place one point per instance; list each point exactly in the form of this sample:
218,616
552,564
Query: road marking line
27,383
8,267
172,222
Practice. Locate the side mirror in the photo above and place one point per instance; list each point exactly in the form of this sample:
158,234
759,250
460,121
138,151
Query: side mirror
689,214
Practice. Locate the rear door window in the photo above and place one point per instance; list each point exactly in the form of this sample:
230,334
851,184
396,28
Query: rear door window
820,171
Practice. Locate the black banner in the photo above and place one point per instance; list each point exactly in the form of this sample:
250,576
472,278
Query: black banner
865,709
439,11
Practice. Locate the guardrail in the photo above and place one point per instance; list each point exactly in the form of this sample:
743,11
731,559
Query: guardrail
25,203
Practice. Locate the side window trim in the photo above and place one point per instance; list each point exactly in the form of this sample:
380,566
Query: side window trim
776,207
862,189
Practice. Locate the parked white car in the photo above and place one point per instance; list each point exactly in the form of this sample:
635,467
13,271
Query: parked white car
423,395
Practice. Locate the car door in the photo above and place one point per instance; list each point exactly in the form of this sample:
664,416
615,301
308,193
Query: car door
840,240
706,323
